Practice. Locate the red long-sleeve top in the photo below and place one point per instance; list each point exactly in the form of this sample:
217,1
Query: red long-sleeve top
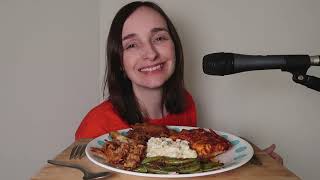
102,119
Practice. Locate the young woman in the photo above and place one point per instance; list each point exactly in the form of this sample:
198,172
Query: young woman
144,75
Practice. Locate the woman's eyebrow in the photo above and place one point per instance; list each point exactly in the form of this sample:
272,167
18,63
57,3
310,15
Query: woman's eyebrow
128,36
154,30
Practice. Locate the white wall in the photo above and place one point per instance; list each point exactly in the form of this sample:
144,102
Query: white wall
264,106
49,62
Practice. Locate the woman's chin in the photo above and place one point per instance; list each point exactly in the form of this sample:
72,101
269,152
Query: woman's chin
151,85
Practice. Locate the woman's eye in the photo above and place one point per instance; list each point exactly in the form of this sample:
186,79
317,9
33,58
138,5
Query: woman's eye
161,38
131,46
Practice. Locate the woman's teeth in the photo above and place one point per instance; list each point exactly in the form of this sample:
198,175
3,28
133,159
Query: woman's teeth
151,68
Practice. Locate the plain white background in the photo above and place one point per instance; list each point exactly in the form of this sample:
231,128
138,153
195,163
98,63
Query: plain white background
52,62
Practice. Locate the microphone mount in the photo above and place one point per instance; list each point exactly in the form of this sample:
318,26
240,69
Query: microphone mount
300,77
298,66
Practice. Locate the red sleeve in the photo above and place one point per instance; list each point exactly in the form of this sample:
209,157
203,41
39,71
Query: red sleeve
100,120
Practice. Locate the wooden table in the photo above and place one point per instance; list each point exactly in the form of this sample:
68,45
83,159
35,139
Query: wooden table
270,169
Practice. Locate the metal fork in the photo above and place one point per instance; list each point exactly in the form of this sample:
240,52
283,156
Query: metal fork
78,151
87,175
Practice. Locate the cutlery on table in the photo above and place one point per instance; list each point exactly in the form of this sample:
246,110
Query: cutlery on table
78,151
87,175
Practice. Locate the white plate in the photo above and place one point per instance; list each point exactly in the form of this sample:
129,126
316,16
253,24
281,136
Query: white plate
240,153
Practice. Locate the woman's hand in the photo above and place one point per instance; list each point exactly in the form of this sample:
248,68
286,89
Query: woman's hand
270,150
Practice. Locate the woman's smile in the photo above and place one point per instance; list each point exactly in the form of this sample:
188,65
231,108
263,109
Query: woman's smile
152,68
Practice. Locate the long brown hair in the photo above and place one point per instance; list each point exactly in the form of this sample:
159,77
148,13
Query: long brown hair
120,87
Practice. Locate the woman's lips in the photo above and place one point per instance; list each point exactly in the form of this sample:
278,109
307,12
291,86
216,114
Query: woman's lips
152,68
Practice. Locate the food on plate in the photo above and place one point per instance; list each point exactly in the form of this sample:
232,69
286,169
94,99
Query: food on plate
166,165
208,144
142,132
156,149
167,147
121,152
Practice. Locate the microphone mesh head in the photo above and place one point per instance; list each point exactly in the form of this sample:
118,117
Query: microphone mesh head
218,64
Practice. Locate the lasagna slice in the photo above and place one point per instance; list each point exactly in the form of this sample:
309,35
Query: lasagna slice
207,144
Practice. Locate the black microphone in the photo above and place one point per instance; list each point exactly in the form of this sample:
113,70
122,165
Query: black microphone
229,63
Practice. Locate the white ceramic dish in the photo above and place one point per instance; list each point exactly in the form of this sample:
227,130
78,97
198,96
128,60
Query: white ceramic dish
240,153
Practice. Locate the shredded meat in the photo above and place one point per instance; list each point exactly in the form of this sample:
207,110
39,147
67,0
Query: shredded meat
126,155
142,132
136,153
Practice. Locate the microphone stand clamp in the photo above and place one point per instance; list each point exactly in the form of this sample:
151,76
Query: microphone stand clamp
298,66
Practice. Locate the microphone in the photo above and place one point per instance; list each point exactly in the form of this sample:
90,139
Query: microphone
229,63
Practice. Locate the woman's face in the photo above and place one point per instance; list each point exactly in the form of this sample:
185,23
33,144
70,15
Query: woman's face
148,50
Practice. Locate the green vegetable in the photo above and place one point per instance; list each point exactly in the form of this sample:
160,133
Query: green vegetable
178,161
141,169
170,168
151,159
190,168
208,166
156,170
165,165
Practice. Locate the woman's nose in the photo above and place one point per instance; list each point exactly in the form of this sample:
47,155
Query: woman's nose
149,52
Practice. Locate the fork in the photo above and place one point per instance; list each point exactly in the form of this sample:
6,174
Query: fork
87,175
78,151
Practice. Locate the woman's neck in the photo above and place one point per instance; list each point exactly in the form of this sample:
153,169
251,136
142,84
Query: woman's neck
150,101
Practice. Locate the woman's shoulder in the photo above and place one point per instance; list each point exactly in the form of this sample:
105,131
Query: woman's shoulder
105,111
103,107
101,113
100,120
